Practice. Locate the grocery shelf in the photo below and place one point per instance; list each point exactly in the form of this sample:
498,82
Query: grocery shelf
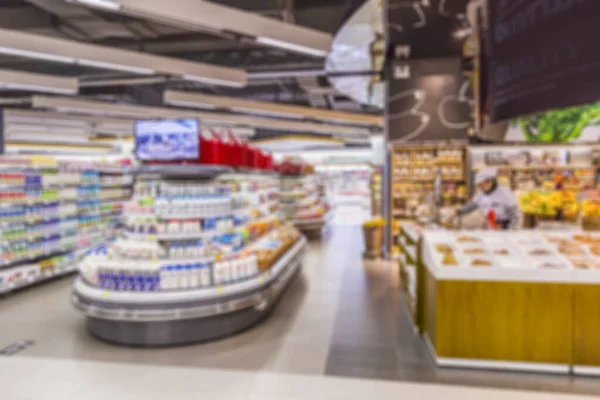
184,316
6,287
184,170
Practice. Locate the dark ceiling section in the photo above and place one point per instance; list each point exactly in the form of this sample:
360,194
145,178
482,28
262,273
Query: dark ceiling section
62,19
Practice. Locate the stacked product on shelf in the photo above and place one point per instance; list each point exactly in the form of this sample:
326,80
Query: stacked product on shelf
376,192
51,212
302,195
510,290
207,257
413,174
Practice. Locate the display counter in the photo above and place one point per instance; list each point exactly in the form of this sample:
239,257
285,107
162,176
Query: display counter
511,300
200,257
186,316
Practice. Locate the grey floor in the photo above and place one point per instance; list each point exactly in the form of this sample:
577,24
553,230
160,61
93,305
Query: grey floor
341,317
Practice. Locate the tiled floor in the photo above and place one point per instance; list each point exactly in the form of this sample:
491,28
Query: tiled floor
340,332
25,378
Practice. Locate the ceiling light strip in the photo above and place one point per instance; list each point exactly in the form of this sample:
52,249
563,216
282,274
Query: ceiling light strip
26,81
74,105
71,52
201,100
201,15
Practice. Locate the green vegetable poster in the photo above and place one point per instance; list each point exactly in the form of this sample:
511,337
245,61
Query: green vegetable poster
566,125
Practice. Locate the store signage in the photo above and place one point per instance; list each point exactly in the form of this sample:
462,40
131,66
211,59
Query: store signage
543,55
427,26
167,139
432,105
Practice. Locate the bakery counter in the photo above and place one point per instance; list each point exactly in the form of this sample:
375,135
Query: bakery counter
519,300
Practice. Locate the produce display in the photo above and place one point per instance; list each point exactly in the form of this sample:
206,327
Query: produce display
52,212
550,203
186,234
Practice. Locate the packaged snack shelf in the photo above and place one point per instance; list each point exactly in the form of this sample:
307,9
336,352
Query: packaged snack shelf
486,298
201,257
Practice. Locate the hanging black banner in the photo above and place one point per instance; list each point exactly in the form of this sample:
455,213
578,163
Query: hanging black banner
543,55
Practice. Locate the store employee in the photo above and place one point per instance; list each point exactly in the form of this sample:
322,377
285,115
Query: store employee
492,196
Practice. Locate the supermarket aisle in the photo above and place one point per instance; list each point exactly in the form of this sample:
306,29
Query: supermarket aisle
341,318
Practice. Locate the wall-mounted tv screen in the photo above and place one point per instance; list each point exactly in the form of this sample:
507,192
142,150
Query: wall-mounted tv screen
167,139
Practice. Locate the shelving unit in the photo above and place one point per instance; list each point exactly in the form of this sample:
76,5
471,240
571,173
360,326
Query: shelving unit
302,201
200,258
414,169
51,214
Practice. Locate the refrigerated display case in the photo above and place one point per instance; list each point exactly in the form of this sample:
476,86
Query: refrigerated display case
203,255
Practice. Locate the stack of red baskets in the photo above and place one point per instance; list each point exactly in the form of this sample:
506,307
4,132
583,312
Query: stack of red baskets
228,150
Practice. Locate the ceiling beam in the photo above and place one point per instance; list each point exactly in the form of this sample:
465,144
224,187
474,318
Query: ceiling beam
91,107
237,105
72,52
194,14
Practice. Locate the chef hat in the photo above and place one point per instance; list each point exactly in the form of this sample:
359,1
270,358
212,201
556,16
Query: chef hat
485,174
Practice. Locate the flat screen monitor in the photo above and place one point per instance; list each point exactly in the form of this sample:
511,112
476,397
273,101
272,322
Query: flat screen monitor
167,139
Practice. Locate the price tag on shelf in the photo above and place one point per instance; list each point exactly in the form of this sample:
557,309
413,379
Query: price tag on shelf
220,289
106,293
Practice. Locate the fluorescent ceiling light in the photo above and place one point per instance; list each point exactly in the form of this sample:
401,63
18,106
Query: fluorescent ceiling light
203,15
70,104
212,81
17,80
265,112
36,88
193,105
116,67
105,4
291,46
256,107
36,54
67,51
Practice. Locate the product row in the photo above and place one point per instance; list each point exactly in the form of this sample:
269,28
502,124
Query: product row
237,264
176,188
177,246
48,178
154,225
181,207
35,213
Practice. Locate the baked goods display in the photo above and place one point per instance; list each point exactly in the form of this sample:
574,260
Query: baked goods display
467,239
481,262
516,251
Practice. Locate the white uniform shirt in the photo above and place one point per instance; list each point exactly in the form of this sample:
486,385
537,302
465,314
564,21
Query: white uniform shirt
502,200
